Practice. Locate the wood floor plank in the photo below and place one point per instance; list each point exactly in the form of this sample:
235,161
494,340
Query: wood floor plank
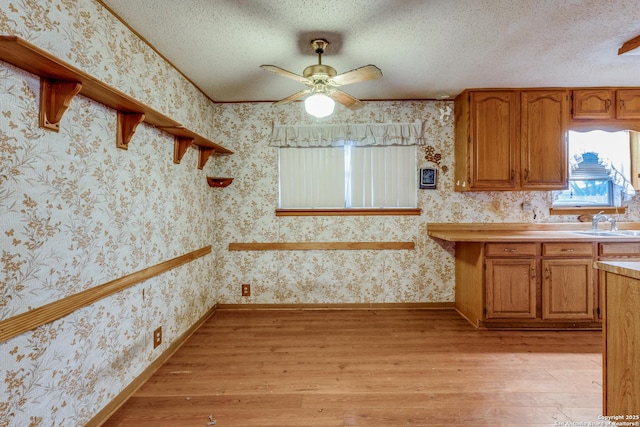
369,368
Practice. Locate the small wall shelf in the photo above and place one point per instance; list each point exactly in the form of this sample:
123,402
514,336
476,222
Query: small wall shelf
219,182
60,82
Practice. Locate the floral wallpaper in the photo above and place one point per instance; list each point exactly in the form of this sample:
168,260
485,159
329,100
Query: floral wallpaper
75,212
426,274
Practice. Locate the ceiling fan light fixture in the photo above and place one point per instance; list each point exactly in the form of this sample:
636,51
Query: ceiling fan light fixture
319,105
322,83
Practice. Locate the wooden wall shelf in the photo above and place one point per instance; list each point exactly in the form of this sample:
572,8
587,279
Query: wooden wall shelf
60,82
218,182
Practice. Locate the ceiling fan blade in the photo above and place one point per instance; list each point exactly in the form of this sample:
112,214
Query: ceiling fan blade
368,72
284,73
345,99
293,97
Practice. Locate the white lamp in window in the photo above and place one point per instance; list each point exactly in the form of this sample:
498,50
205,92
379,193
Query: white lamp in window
319,104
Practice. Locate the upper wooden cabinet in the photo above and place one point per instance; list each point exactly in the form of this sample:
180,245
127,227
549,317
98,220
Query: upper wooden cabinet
486,134
544,116
593,104
628,104
511,140
606,104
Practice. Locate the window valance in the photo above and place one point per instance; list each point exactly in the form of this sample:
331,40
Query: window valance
336,135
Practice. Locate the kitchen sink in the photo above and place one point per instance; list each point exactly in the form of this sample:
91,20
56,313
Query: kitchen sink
600,233
621,233
626,232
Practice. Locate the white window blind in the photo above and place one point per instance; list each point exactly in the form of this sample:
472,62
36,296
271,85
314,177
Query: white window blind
312,177
348,177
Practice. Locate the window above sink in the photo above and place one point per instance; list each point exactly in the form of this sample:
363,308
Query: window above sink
600,170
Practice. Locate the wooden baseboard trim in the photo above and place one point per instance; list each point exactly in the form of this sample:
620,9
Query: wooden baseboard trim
115,404
344,306
32,319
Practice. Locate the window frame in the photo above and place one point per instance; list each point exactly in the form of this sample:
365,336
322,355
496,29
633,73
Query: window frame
558,209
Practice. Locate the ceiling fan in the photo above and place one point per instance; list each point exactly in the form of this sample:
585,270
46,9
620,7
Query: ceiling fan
323,82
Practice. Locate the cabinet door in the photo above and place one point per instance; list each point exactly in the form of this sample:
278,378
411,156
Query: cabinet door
593,104
567,289
493,140
543,129
628,104
621,367
510,288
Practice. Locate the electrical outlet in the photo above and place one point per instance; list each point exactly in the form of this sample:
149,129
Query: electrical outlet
246,290
157,337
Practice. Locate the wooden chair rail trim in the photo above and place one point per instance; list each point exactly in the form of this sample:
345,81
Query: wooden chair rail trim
101,417
32,319
349,212
321,246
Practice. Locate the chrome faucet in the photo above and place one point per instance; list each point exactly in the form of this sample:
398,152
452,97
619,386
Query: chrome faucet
600,216
597,218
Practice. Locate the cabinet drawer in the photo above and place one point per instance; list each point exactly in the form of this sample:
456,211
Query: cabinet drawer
620,249
568,249
510,249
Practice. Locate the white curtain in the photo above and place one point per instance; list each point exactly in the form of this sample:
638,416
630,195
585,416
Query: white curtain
348,177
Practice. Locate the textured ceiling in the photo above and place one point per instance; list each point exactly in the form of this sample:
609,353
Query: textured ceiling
425,48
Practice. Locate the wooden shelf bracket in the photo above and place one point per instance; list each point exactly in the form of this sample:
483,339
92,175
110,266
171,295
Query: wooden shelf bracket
180,145
205,153
55,98
126,127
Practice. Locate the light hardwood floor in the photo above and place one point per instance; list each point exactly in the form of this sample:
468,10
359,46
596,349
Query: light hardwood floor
370,368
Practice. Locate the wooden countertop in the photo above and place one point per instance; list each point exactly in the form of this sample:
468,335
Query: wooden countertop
526,232
622,268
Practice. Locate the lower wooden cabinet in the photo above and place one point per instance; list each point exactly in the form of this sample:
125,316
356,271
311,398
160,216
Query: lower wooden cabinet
510,288
526,284
567,289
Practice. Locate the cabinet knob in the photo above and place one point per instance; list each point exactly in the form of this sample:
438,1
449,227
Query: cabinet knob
510,250
567,250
